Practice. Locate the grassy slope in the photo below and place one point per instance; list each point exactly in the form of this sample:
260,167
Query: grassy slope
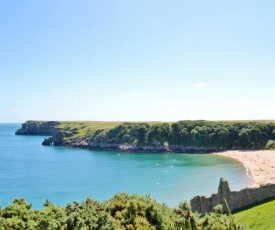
261,216
84,127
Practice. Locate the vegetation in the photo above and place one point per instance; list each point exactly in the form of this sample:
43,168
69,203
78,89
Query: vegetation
204,134
123,211
77,129
222,134
208,134
270,144
260,216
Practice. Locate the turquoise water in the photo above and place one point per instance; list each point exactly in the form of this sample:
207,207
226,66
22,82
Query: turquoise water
36,172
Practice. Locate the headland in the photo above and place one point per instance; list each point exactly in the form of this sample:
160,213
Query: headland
187,136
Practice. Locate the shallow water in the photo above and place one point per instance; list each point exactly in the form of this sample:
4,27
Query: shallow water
36,172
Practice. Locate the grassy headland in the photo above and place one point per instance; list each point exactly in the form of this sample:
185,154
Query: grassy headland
182,136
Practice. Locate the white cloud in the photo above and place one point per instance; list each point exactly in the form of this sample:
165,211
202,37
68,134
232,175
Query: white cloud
137,94
19,110
269,90
271,100
201,84
82,97
133,94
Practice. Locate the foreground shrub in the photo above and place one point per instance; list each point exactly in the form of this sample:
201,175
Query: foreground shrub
123,211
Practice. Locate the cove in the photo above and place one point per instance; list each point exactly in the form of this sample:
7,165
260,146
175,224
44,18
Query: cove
62,175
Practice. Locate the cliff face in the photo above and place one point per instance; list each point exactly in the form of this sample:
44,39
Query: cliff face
121,140
38,128
130,140
61,138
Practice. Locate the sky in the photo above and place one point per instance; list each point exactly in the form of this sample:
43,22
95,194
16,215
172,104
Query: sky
137,60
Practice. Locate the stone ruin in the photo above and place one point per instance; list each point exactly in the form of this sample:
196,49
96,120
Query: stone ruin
235,199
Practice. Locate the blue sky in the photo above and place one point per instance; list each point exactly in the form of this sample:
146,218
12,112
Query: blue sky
137,60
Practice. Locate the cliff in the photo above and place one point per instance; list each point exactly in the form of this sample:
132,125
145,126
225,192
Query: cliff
235,199
38,128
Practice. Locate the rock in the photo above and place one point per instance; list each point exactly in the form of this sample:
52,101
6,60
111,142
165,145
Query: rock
57,139
38,128
47,141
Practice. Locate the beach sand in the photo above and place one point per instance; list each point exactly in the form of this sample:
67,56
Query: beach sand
260,164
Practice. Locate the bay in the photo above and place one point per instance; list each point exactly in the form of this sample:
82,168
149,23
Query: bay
62,175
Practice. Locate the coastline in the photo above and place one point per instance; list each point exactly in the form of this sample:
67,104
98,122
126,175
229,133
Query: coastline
260,164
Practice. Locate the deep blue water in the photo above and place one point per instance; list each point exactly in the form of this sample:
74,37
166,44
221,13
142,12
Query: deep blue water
36,172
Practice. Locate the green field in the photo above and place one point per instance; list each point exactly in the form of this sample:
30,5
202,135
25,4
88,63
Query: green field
260,216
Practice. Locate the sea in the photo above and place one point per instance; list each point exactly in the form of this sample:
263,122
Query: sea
63,175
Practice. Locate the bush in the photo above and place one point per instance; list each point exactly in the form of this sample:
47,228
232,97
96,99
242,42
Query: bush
270,144
123,211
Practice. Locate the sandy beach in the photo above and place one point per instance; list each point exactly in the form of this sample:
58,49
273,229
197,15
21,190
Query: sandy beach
260,164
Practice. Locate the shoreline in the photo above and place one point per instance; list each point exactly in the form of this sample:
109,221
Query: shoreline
260,164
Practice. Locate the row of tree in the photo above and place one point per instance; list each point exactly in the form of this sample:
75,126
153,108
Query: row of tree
195,134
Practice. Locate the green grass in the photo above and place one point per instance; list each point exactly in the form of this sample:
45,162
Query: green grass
81,128
260,216
85,127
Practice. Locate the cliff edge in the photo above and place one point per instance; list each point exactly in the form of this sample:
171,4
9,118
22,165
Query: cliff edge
38,128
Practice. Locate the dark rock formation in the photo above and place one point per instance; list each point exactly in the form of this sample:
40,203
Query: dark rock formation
58,138
192,149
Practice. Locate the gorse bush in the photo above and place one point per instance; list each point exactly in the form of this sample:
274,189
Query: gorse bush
123,211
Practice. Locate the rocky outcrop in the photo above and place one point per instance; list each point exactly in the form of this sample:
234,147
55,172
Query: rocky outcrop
234,199
128,148
80,142
191,149
38,128
60,138
57,139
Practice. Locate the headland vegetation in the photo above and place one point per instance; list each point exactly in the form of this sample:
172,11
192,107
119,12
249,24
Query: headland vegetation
183,136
